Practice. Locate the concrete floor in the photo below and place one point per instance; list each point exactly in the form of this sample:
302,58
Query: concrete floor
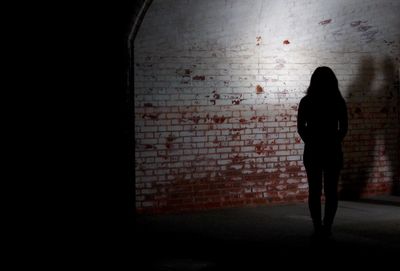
365,232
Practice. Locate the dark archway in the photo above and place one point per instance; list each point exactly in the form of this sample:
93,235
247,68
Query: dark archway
133,24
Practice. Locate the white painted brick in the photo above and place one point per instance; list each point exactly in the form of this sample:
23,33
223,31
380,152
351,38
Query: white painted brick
218,41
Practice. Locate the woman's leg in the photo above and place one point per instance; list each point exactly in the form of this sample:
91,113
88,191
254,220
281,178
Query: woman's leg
331,178
314,176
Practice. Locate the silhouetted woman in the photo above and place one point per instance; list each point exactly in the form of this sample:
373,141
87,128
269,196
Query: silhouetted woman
322,125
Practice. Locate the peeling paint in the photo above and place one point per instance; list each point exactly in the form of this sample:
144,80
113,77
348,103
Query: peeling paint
148,146
262,119
150,116
369,36
216,96
355,23
325,22
236,136
259,148
237,100
217,119
259,89
195,119
363,28
199,77
258,39
171,138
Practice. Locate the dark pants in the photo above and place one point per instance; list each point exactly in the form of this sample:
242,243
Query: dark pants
323,164
318,175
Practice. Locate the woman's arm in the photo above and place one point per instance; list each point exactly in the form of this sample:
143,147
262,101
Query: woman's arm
301,121
343,121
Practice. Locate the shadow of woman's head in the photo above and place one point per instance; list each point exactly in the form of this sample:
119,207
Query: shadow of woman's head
373,129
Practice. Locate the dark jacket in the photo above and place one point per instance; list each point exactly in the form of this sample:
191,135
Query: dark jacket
322,125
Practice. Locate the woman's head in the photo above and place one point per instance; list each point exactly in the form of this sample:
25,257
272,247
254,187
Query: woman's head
323,83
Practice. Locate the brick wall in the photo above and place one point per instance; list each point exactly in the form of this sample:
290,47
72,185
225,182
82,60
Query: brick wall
217,85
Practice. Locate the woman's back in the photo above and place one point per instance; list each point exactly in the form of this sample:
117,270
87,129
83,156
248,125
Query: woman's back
322,116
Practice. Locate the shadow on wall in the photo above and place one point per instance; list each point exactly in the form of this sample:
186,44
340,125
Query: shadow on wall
371,146
396,187
392,129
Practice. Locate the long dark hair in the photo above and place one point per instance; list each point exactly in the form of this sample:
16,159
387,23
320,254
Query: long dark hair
324,84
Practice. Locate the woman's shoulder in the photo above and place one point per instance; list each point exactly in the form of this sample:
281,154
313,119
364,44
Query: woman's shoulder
305,99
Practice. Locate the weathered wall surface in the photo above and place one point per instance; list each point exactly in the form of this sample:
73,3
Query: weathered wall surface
217,85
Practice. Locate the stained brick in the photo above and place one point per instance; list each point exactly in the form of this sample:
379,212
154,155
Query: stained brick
206,96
